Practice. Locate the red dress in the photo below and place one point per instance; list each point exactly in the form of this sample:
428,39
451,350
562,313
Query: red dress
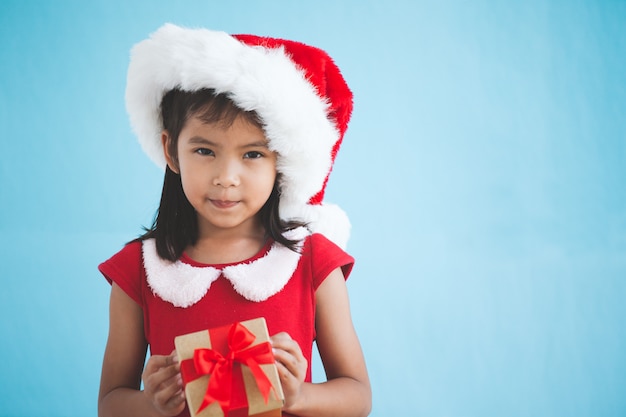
185,296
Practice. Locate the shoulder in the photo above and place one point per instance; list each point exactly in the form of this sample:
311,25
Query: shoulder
125,268
320,246
324,257
127,257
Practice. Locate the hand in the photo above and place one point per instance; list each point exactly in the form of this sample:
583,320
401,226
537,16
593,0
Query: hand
163,384
292,366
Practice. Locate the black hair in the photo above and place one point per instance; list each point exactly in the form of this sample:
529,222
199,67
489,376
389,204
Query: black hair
175,225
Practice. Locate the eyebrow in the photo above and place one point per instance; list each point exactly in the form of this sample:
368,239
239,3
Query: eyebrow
198,140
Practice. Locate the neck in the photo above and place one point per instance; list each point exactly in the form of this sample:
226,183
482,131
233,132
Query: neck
227,246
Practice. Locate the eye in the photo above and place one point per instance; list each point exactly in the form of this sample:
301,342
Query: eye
204,152
253,155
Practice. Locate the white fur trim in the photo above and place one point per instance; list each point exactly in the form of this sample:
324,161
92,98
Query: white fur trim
258,281
255,78
327,219
183,285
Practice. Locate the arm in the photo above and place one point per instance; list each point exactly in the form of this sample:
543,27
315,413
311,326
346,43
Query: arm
347,391
122,366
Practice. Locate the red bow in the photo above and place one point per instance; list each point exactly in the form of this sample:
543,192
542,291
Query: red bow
220,367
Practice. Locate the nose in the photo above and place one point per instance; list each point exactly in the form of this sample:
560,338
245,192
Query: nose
227,175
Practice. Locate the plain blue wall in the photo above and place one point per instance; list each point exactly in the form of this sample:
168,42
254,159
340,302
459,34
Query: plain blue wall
484,173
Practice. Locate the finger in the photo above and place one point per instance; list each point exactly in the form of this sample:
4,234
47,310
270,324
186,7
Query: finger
170,393
285,342
288,352
164,373
282,337
176,404
294,365
160,379
171,360
285,358
158,362
284,375
155,363
290,356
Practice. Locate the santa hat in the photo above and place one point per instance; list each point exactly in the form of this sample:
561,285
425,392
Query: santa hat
297,91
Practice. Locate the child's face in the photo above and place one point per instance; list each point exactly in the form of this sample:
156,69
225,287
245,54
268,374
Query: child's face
227,174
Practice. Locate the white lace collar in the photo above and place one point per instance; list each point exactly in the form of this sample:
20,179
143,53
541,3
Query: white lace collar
184,285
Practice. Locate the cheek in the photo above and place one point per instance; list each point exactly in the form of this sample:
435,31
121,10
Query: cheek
191,184
267,185
271,177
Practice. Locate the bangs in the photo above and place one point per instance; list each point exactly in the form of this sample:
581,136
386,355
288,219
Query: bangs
218,108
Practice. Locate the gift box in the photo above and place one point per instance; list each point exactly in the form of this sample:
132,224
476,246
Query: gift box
230,371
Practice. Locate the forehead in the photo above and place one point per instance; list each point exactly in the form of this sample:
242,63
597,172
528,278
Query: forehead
239,131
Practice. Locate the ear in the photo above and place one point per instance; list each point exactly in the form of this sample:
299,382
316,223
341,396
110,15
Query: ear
172,160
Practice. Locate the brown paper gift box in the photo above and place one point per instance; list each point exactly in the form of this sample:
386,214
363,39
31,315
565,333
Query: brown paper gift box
216,339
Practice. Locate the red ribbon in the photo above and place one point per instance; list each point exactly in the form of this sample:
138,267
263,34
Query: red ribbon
220,367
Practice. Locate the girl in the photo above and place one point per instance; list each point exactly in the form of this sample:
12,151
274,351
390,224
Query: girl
247,129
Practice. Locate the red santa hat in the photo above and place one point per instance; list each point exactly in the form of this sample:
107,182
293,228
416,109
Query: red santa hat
296,89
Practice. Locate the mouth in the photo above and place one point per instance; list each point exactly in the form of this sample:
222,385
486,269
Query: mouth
224,204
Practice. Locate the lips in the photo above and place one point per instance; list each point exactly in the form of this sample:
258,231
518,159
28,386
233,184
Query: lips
224,204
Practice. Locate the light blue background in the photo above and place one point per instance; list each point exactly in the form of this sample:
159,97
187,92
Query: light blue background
484,173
